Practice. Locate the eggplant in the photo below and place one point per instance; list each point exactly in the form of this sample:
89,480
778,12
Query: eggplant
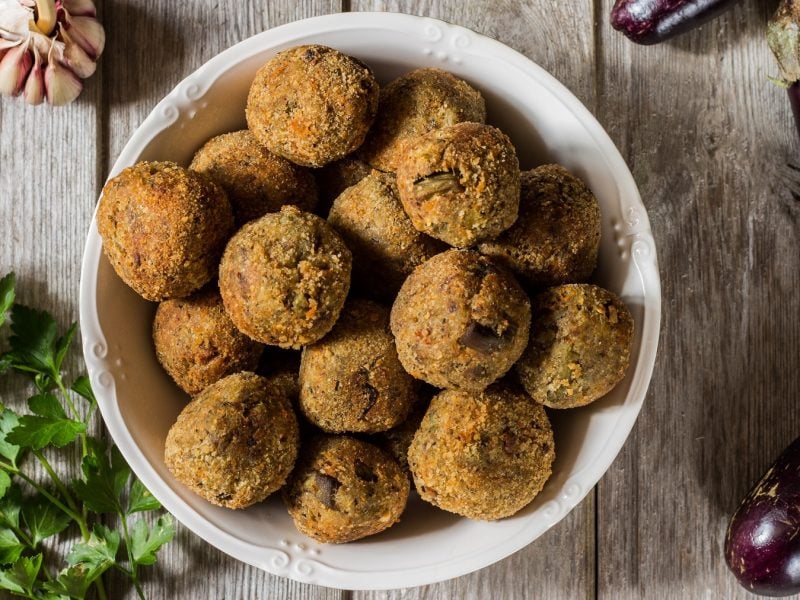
762,546
783,37
653,21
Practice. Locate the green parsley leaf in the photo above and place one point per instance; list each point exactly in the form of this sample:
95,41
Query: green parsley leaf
42,381
33,340
46,405
100,549
43,519
6,360
104,479
10,547
62,346
37,432
10,506
5,483
140,499
21,576
120,471
6,295
74,581
145,541
8,421
83,388
87,561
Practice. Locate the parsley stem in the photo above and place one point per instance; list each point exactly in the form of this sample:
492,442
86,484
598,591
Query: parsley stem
122,569
56,502
101,588
57,480
73,511
72,408
75,414
133,572
22,536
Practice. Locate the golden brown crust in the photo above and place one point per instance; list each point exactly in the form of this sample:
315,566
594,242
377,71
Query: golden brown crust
198,344
256,180
335,178
351,380
386,247
397,440
460,321
460,184
344,489
482,455
312,104
163,228
414,104
284,278
556,237
579,346
235,443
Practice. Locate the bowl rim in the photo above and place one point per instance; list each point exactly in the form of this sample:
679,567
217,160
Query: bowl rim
643,252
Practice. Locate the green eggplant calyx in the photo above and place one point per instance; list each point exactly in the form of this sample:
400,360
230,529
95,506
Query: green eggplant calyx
783,37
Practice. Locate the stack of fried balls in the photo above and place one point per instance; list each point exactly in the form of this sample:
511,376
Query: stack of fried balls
362,295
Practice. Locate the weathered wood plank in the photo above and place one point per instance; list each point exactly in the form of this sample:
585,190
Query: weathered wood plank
48,178
558,36
152,46
707,138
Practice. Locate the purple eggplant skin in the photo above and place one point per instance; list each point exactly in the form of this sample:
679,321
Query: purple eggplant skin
653,21
762,546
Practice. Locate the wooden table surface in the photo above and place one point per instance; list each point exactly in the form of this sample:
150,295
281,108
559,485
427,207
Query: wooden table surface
710,143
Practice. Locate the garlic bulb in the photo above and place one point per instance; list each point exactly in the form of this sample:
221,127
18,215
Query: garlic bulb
47,47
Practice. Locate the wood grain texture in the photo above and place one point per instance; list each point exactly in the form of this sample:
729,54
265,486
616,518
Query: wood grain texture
46,202
708,139
561,563
154,46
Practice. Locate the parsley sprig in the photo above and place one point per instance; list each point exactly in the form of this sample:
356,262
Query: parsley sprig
99,497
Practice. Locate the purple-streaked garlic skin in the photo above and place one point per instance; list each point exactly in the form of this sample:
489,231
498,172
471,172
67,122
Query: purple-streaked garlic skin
14,69
34,91
47,47
80,8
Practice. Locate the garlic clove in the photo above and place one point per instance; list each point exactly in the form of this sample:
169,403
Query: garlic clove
46,16
41,43
47,47
34,87
14,68
88,33
76,58
7,44
80,8
61,84
14,17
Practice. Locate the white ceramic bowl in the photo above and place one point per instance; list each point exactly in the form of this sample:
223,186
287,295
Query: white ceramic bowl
546,123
